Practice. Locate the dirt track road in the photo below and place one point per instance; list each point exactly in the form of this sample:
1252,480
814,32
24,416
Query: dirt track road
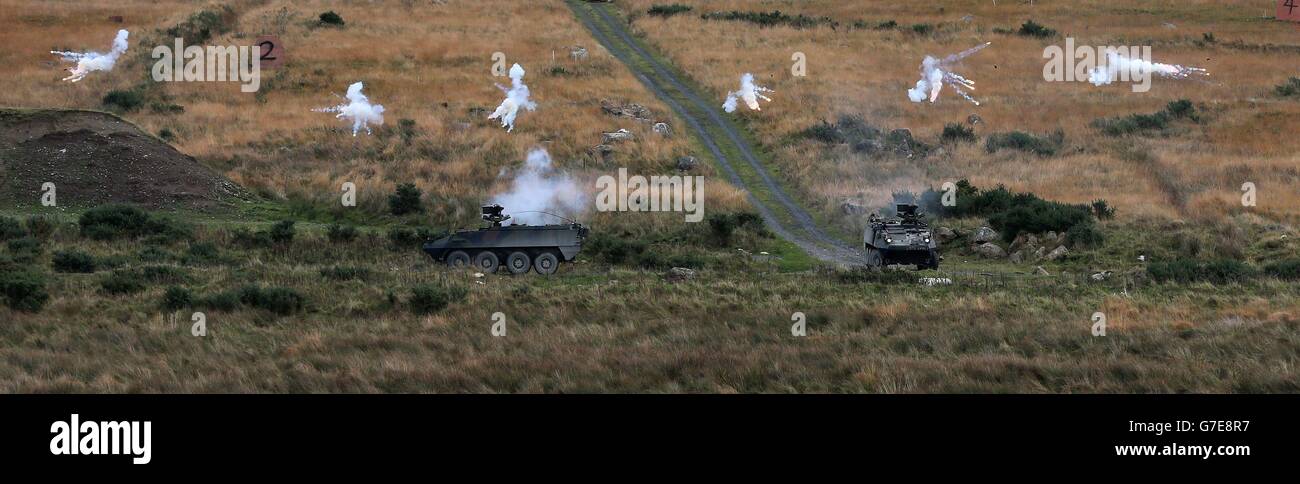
729,147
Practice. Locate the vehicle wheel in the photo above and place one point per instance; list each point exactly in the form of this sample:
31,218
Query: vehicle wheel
546,263
487,262
874,259
518,263
458,259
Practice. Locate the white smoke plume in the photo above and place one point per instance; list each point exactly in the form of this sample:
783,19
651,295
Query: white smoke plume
935,73
749,92
88,62
516,97
539,187
1116,63
358,110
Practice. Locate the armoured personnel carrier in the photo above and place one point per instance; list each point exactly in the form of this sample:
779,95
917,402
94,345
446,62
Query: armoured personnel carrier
514,248
901,240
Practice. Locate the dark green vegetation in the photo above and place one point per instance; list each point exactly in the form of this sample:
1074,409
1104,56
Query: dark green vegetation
1013,213
669,10
1158,122
331,18
774,18
1290,88
1047,145
1033,29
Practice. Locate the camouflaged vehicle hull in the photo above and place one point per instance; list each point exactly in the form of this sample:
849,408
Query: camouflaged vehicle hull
515,248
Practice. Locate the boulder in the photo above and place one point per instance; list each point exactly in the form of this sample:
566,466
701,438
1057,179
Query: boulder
944,234
679,274
629,110
989,250
1017,257
1040,271
1057,253
974,119
686,163
663,129
1025,241
616,137
602,152
1101,276
984,235
901,142
578,52
850,207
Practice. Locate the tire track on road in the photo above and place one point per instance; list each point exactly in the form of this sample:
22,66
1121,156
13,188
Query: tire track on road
719,136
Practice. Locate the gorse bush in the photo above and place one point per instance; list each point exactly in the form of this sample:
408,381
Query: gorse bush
23,290
1290,88
431,298
332,18
1288,269
1033,29
40,226
341,233
122,282
282,232
770,19
668,10
177,298
1013,213
405,200
341,273
956,132
1040,145
123,100
10,229
1147,123
26,249
73,261
279,300
722,226
121,221
1220,271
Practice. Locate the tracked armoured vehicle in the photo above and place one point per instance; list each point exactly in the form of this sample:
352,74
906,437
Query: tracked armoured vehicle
513,248
902,240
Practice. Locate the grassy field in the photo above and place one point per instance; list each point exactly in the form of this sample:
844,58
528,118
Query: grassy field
1207,308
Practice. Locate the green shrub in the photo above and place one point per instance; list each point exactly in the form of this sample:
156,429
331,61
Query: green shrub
1288,269
1013,213
202,252
23,290
1033,29
1146,124
1084,234
10,229
222,301
405,200
177,298
431,298
614,250
922,29
887,25
161,274
957,133
123,100
1040,145
121,221
1290,88
722,226
246,238
26,249
1220,271
404,237
122,282
153,254
341,273
279,300
40,226
862,275
668,10
332,18
282,232
73,261
1102,210
770,19
341,233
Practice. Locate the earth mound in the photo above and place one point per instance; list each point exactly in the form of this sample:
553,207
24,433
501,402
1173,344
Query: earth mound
96,158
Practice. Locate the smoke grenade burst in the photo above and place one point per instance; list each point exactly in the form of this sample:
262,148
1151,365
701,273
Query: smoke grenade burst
539,187
749,92
516,97
88,62
358,110
935,73
1136,68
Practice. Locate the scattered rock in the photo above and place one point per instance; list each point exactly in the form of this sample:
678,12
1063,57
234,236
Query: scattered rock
850,207
945,234
1040,271
679,274
630,110
578,52
1017,257
935,281
602,152
616,137
900,141
663,129
984,234
989,250
686,163
1101,276
1057,253
1024,241
974,119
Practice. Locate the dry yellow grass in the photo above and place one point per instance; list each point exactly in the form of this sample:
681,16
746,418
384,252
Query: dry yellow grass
425,62
1248,136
